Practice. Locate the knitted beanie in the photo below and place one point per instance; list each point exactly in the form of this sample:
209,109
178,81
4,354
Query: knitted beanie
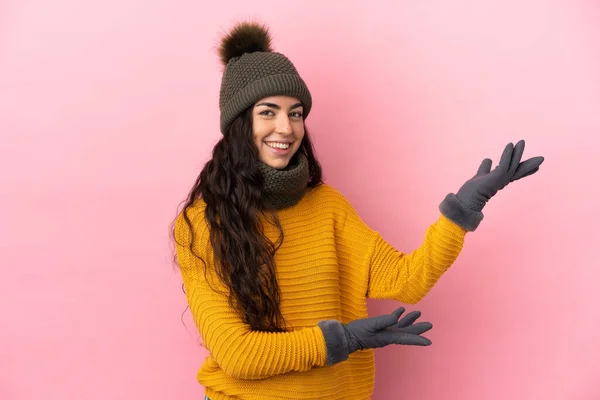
254,71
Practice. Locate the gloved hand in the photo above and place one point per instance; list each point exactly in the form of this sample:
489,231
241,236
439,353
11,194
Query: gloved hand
465,207
370,333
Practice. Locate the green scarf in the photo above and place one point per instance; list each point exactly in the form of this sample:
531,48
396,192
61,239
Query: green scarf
285,187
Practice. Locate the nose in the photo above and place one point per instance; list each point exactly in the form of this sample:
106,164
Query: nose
284,125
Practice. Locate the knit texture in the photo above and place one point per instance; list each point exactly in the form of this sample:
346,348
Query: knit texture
329,264
253,76
285,187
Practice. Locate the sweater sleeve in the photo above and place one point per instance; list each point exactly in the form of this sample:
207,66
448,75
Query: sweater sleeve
239,351
392,274
409,277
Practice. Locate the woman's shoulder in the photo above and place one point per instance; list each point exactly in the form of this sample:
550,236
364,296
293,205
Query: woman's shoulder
191,217
194,211
325,195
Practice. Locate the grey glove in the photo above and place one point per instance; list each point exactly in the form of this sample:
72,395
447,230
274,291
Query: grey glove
464,207
370,333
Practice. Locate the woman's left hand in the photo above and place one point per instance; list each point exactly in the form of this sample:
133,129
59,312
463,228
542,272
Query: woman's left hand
475,192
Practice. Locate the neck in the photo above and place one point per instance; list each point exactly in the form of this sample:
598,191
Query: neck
285,187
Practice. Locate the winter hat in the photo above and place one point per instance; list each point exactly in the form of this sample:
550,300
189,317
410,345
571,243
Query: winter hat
254,71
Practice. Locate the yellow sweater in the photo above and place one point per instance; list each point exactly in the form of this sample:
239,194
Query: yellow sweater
329,264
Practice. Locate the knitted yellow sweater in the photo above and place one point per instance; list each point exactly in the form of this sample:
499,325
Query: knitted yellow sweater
329,264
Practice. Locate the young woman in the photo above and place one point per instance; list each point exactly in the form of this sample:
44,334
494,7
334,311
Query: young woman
277,265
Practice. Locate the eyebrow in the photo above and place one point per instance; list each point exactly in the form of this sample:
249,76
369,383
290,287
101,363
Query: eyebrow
277,107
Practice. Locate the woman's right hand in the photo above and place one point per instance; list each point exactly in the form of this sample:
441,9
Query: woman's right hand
383,330
369,333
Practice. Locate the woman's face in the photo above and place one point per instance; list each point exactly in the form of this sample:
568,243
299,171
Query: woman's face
278,129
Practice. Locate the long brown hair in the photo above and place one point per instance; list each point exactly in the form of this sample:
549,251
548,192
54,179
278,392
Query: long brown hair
231,185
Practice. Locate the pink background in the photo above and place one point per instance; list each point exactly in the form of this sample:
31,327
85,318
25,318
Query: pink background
108,110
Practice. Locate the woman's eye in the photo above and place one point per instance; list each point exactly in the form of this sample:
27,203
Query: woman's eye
297,114
266,112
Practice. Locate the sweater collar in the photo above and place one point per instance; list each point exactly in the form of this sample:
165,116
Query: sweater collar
284,188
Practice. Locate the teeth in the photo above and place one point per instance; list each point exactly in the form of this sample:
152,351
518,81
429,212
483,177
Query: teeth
279,145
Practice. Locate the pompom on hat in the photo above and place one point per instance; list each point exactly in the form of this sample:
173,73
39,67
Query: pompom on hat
254,71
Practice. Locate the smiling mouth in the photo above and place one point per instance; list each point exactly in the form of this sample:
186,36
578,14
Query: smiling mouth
280,146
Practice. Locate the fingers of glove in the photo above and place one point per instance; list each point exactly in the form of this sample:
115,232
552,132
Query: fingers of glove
383,321
409,319
516,156
528,167
533,171
485,167
390,336
418,328
398,312
504,164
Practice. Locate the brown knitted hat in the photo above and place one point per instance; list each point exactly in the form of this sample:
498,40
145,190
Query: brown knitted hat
253,71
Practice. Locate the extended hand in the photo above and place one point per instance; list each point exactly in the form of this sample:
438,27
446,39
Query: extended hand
383,330
464,207
480,188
